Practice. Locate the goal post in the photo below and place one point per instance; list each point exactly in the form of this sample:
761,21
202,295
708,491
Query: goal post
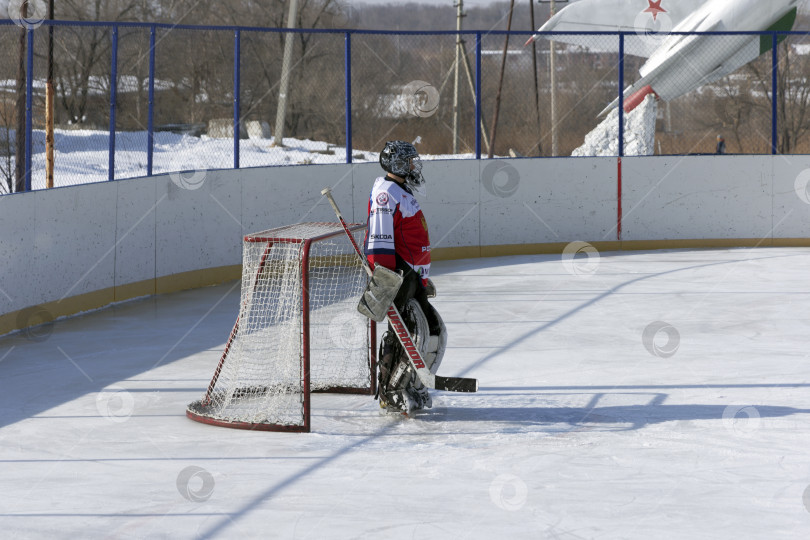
298,331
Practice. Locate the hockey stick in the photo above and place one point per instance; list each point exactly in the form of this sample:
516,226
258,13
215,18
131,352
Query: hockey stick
437,382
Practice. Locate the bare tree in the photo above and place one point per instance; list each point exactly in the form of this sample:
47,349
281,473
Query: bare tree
83,53
792,95
727,107
317,75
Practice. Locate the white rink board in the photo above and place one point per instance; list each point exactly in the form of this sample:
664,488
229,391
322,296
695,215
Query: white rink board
84,239
791,212
278,196
74,245
673,197
135,229
531,201
452,206
18,221
197,228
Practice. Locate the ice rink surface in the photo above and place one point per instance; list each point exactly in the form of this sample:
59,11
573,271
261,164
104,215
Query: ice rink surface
624,395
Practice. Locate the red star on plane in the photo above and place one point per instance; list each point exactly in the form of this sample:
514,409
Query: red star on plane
655,8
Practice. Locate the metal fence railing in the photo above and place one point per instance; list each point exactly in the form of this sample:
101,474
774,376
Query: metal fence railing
141,99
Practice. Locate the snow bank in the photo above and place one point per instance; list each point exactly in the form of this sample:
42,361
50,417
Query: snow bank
82,155
639,133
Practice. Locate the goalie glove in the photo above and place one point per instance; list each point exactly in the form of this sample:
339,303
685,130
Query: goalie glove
380,292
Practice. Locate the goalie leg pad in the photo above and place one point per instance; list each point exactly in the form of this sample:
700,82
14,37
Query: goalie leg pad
431,346
395,377
436,346
388,350
380,292
399,387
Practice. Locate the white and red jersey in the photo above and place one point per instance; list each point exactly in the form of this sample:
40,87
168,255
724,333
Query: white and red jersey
396,227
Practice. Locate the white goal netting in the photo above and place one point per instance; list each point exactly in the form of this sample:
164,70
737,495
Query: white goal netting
298,330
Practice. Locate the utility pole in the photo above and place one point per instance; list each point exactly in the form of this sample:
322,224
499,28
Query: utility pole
539,144
553,68
289,41
500,81
19,137
456,75
49,95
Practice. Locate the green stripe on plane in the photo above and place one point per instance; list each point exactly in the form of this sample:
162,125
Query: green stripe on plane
785,24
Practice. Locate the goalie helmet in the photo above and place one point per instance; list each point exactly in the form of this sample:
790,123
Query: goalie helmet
402,159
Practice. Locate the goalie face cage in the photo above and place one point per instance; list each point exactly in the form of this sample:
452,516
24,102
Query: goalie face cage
298,331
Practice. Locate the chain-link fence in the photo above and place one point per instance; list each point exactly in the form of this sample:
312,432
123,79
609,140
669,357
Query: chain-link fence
9,40
138,99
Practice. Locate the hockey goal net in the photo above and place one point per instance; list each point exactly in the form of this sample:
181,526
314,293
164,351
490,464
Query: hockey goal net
298,330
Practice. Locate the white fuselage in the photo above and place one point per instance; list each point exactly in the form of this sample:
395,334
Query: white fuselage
684,62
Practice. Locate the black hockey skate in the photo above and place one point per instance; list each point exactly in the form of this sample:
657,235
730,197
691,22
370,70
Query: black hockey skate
395,389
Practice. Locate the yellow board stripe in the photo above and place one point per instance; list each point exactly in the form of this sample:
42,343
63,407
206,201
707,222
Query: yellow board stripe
30,316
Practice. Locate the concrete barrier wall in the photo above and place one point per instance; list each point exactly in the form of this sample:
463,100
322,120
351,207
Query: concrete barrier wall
72,249
707,201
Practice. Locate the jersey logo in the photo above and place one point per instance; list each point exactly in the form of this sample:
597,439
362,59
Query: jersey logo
382,199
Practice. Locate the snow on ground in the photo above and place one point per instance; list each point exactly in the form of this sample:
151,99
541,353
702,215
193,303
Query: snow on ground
82,156
663,395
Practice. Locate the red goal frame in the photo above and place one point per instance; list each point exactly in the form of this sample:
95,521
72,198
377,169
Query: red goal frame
272,237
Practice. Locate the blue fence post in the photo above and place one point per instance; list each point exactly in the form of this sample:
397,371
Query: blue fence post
774,89
621,95
29,101
237,54
113,86
619,211
478,95
347,61
150,126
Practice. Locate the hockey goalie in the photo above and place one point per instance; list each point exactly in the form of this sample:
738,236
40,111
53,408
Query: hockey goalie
397,246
